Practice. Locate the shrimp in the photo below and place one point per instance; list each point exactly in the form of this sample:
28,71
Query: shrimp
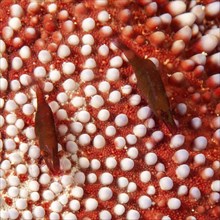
46,132
151,85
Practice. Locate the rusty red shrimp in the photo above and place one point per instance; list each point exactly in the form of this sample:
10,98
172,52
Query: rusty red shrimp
46,132
150,84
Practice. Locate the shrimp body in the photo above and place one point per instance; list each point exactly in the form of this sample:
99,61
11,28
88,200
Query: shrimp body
46,132
151,86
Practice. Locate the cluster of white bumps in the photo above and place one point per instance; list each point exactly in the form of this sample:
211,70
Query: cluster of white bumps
82,129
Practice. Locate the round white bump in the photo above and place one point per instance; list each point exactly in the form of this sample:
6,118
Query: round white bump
151,190
13,213
56,206
84,139
40,72
103,115
83,116
88,24
126,164
90,91
195,193
182,108
157,136
199,159
144,202
38,212
44,56
150,159
21,204
91,128
112,74
69,85
122,182
87,75
104,86
135,100
110,162
182,190
48,195
76,128
116,62
15,23
126,89
110,131
103,16
106,178
144,113
4,64
13,191
68,68
33,170
56,187
174,203
78,101
34,152
73,40
105,194
54,75
74,205
140,130
114,96
91,204
77,192
3,84
132,187
177,141
166,183
215,186
63,51
103,50
119,142
133,215
123,198
132,152
95,164
200,143
83,162
180,156
145,176
99,141
97,101
17,63
92,178
11,130
183,171
121,120
119,209
27,215
86,50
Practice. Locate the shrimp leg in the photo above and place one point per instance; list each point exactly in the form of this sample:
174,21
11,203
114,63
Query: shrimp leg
151,85
46,132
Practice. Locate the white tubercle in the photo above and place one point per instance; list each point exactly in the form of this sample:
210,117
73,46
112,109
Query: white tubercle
110,131
182,190
103,50
16,11
132,152
140,130
180,156
144,202
68,68
112,74
77,192
40,72
119,209
105,194
200,143
104,214
199,159
185,19
150,159
15,23
126,89
91,204
183,171
116,62
126,164
38,212
114,96
95,164
25,52
157,136
17,63
103,115
135,100
119,142
44,56
88,24
177,141
195,193
166,183
145,176
104,86
215,185
83,162
176,7
103,16
97,101
151,190
99,141
74,205
106,178
121,120
110,162
122,182
4,64
73,40
132,214
182,108
212,9
63,51
174,203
